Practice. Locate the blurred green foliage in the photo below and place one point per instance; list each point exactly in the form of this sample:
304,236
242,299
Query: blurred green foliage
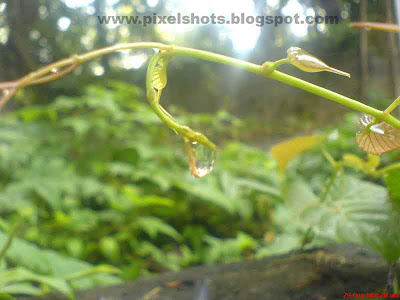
99,182
98,178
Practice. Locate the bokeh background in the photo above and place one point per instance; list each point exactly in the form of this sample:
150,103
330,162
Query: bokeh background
35,33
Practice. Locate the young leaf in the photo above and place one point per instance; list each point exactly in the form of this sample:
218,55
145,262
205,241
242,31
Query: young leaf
392,183
352,208
153,226
287,150
386,240
160,73
377,138
15,275
21,288
308,63
52,263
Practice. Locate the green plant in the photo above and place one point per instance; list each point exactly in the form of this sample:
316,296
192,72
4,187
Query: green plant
117,193
380,122
125,198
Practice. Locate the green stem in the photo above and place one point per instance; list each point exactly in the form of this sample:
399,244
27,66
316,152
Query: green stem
282,61
268,71
9,240
329,158
388,168
290,80
329,185
392,106
153,95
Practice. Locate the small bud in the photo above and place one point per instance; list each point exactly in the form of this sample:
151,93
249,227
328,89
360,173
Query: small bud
308,63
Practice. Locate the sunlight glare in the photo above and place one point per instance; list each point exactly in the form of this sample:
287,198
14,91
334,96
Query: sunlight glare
77,3
272,3
132,61
243,36
290,9
63,23
152,3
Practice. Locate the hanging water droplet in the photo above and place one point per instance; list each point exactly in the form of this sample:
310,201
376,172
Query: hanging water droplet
55,71
6,92
377,138
381,128
201,158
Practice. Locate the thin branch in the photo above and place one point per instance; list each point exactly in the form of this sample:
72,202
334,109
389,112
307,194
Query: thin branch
7,95
376,26
209,56
54,76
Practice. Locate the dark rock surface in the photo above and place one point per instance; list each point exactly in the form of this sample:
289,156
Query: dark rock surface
317,274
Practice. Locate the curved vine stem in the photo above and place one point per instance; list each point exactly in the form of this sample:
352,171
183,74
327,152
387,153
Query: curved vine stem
267,70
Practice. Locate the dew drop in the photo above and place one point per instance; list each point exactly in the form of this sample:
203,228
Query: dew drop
55,71
377,128
377,138
201,158
381,128
6,92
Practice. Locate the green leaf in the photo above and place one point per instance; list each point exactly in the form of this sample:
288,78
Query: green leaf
160,74
392,179
153,226
21,274
54,264
21,288
4,296
207,190
386,240
352,207
261,187
283,243
109,247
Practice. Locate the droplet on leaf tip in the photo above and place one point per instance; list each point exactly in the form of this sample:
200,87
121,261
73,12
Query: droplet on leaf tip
377,138
5,92
201,158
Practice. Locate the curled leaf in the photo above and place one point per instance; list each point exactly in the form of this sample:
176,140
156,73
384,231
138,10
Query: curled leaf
200,150
160,73
308,63
377,138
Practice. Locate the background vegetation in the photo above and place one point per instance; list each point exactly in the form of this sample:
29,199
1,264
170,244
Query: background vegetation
95,190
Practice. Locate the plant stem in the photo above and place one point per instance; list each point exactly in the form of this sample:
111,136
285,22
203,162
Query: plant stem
382,171
329,185
290,80
9,240
392,106
266,71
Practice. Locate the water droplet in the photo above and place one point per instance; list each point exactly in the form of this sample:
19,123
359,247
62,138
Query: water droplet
55,71
6,92
381,128
377,138
377,129
201,158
